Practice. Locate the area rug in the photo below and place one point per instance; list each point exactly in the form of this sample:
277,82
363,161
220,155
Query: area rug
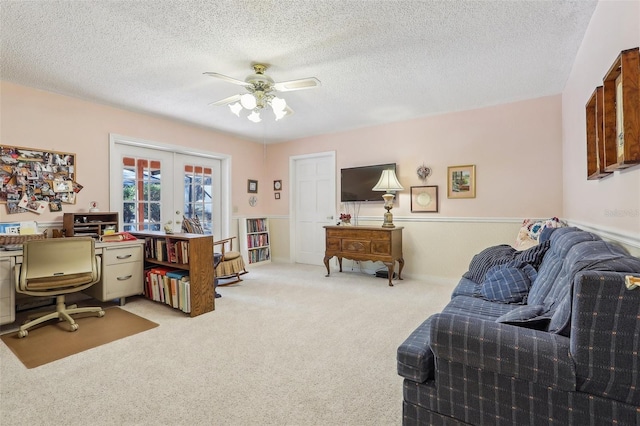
53,341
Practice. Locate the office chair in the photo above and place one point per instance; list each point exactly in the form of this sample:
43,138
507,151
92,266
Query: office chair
228,264
55,267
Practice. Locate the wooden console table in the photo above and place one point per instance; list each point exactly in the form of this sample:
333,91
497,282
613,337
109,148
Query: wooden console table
365,243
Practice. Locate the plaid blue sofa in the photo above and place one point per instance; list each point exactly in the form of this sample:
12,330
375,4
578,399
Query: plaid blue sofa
564,352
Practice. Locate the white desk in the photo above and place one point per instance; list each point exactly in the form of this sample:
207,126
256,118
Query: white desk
121,275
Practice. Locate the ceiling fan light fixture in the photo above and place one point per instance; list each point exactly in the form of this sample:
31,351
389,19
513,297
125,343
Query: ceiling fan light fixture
236,108
278,104
279,114
255,116
248,101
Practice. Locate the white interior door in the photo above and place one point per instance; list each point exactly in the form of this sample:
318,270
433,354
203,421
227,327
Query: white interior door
313,205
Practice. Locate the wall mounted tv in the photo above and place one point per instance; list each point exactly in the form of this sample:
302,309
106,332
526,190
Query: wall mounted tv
356,182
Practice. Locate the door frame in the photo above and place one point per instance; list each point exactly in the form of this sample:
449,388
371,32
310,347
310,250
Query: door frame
115,173
292,192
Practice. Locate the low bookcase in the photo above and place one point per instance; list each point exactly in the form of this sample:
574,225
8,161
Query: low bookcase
192,253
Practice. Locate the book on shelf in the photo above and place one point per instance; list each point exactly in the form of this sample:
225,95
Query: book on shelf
175,277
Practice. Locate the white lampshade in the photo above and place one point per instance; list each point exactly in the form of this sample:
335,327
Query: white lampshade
236,108
255,117
388,182
248,101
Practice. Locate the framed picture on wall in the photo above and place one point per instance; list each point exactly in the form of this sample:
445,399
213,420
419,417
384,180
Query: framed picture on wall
461,181
424,199
252,186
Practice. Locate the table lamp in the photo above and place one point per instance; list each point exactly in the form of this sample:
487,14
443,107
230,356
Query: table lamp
389,183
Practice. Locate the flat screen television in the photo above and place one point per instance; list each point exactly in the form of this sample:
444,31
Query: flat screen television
356,182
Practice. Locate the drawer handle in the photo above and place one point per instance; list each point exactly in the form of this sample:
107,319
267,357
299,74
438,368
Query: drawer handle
124,278
126,256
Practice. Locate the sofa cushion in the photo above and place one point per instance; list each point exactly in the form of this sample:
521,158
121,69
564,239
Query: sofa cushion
528,316
508,283
476,307
561,241
466,287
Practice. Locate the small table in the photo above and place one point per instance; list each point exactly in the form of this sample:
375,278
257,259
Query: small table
365,243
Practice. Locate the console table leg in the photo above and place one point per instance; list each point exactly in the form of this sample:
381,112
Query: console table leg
340,263
326,264
401,264
391,266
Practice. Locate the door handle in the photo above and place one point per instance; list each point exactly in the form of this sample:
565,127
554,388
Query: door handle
330,217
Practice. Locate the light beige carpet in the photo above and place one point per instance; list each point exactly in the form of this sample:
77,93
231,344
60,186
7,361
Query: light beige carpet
53,340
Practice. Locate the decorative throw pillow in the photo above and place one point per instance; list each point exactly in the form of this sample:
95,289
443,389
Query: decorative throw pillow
486,259
534,255
192,225
508,283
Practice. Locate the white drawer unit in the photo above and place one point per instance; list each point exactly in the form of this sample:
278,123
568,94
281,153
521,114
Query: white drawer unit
122,272
7,292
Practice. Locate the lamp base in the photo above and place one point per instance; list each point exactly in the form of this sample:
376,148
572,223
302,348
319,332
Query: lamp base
388,220
388,216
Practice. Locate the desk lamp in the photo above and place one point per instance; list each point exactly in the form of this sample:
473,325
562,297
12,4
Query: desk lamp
389,183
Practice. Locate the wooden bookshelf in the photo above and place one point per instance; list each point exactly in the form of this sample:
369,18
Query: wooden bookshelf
195,256
255,240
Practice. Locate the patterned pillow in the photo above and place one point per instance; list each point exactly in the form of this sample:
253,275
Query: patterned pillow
486,259
192,225
534,255
508,283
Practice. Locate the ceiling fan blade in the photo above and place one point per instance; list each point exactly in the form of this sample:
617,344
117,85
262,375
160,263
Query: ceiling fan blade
229,79
229,100
304,83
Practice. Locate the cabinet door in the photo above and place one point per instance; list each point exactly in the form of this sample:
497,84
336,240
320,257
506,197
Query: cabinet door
7,292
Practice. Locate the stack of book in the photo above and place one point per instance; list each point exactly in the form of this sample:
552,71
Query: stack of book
166,285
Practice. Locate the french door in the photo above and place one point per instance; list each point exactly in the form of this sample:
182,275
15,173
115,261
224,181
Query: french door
153,188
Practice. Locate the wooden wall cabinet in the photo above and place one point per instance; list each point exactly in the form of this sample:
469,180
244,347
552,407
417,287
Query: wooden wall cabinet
595,137
621,120
197,260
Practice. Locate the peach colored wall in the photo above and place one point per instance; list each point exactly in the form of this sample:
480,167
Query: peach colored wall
37,119
613,203
516,148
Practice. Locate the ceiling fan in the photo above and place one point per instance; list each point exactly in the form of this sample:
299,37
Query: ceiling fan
261,92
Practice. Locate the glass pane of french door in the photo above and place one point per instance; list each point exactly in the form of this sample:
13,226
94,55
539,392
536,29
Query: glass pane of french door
141,194
201,190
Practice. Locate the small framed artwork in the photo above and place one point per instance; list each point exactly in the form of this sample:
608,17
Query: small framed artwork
277,195
277,185
252,186
424,199
461,181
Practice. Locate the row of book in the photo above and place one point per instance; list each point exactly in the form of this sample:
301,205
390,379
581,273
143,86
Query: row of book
169,286
173,251
259,255
256,225
257,240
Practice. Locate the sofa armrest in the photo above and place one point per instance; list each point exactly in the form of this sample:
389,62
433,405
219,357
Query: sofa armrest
605,335
526,354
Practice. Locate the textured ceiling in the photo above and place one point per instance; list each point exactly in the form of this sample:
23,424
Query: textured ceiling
378,61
